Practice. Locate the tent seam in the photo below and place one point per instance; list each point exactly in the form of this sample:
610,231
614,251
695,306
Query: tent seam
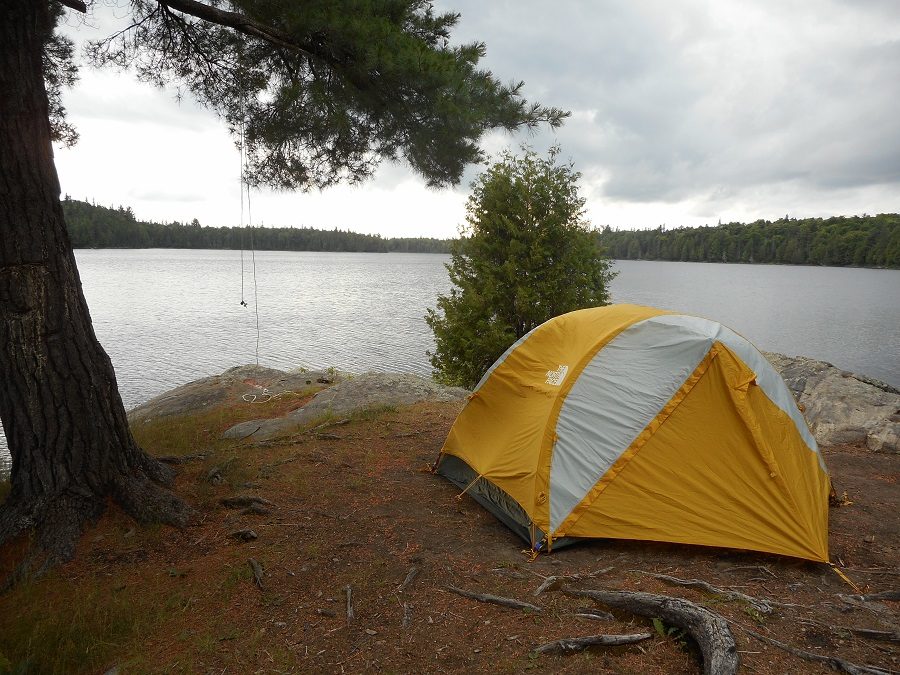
640,441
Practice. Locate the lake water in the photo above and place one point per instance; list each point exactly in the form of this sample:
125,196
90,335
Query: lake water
170,316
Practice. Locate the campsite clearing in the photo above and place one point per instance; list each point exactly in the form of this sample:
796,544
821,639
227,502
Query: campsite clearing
348,517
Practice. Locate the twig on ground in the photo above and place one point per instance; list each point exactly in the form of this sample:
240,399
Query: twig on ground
348,591
257,571
594,614
577,644
709,630
410,577
407,615
875,570
335,423
554,583
752,567
494,599
403,434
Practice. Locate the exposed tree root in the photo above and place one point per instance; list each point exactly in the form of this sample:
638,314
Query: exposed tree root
760,605
709,630
832,662
884,595
577,644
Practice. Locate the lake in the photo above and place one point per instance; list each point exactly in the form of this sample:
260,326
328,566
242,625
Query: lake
170,316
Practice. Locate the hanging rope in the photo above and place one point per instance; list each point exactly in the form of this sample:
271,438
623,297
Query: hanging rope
253,259
246,186
241,159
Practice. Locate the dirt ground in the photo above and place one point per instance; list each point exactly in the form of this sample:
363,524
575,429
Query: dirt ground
353,506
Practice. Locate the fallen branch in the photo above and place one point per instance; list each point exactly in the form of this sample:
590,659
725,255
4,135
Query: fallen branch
554,583
494,599
761,606
577,644
709,630
832,662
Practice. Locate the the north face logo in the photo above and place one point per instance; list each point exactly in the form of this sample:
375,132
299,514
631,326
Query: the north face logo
556,377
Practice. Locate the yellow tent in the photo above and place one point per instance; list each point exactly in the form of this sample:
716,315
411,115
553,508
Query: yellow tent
636,423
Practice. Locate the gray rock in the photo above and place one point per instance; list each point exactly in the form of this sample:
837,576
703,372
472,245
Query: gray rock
353,394
842,407
247,384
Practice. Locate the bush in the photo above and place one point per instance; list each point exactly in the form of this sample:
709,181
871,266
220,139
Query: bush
525,255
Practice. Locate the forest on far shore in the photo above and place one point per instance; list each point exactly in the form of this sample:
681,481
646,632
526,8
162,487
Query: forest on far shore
862,241
92,226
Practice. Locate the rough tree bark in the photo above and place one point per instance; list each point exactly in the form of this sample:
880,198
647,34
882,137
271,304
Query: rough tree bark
70,444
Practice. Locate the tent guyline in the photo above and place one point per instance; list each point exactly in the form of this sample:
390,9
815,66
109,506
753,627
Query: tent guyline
629,422
245,188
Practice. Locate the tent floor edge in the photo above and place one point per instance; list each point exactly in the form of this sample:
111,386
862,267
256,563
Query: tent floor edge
489,496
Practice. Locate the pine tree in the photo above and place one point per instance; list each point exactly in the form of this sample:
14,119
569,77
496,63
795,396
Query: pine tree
526,255
323,90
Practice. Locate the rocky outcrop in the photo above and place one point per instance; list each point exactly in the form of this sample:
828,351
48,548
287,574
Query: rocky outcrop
241,384
355,393
842,407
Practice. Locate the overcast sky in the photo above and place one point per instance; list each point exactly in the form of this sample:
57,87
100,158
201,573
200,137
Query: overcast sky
683,113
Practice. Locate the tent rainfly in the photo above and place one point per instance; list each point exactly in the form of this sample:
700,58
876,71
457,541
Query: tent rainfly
631,422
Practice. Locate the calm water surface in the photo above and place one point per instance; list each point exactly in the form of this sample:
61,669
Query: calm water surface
170,316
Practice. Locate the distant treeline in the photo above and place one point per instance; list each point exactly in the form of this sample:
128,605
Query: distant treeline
92,226
864,241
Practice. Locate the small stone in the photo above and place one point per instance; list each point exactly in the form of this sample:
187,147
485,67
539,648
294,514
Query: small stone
245,535
869,539
256,510
214,477
239,501
369,631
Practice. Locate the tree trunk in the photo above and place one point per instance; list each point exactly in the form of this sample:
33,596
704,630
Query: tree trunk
60,406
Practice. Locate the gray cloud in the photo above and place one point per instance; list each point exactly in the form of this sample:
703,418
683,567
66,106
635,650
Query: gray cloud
700,100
